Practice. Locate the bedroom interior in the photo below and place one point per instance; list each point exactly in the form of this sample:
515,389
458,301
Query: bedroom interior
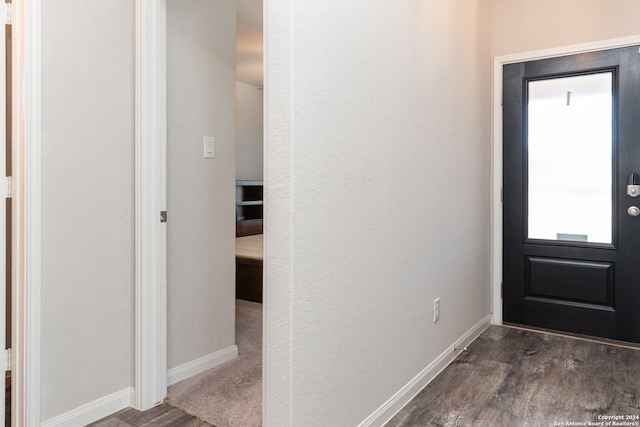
249,150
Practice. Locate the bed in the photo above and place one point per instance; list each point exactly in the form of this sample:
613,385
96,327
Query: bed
249,267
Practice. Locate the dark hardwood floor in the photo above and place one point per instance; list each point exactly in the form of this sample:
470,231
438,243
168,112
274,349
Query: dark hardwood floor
515,377
507,377
161,416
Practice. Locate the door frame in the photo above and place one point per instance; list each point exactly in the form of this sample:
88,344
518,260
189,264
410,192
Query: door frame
150,198
150,364
26,138
496,163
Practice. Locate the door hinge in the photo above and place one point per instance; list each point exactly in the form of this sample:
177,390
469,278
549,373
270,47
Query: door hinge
5,187
502,194
7,14
501,289
163,216
5,360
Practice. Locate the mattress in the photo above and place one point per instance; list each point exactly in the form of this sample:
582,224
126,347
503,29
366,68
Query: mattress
250,247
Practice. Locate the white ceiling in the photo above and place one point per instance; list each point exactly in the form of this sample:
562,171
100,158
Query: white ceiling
249,44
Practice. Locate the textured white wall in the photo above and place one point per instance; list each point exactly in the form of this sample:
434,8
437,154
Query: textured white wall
249,131
87,201
378,142
201,193
525,25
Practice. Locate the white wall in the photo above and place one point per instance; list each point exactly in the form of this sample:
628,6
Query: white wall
87,202
87,185
201,193
377,179
525,25
386,106
249,131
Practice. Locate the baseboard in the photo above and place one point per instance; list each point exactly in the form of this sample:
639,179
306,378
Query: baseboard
392,406
93,411
182,372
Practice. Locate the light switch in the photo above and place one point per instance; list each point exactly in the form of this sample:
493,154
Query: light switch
209,147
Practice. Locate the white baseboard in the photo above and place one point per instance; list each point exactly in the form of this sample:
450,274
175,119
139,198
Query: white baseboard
107,405
93,411
182,372
392,406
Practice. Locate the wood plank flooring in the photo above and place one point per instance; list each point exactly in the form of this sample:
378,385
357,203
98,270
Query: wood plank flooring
507,377
514,377
160,416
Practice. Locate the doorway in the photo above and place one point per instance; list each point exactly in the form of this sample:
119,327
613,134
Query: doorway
202,90
151,199
569,234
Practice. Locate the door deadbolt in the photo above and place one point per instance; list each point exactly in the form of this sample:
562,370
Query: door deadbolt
633,185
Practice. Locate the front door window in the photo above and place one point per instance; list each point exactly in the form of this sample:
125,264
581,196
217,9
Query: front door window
570,158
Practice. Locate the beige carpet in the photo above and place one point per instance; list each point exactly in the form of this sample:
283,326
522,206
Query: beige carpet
229,395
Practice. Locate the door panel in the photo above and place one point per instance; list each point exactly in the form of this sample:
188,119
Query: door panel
570,280
571,136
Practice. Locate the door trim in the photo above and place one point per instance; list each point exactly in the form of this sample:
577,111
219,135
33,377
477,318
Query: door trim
27,102
150,198
3,207
496,175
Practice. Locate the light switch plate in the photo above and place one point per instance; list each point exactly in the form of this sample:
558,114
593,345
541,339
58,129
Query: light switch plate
209,147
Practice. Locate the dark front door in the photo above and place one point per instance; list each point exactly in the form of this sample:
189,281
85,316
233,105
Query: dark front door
571,129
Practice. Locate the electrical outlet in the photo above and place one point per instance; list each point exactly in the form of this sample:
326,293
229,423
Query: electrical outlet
436,310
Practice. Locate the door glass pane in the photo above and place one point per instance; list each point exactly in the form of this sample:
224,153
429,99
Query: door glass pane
570,158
